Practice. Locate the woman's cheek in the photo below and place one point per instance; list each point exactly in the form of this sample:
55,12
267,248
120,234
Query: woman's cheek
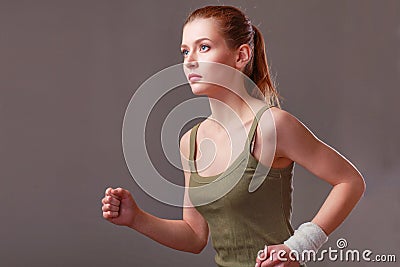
218,73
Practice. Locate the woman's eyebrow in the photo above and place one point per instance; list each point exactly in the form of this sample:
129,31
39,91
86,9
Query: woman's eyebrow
197,41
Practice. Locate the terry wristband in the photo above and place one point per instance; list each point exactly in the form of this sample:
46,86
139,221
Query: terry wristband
308,237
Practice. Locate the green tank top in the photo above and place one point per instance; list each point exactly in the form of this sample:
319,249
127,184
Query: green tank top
242,222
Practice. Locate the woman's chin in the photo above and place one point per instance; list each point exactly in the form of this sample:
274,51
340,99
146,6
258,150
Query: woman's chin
198,88
196,92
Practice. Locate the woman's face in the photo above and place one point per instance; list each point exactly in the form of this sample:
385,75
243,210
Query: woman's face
202,47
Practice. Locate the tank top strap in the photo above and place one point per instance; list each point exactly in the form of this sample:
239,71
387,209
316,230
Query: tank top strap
255,123
192,152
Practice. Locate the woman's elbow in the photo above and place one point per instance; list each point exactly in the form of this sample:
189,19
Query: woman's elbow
199,248
359,185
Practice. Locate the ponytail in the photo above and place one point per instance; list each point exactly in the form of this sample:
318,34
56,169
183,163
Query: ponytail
259,72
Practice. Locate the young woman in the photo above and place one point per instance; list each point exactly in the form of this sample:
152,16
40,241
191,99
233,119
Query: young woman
247,227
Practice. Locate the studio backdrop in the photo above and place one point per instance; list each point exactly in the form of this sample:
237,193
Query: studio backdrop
68,70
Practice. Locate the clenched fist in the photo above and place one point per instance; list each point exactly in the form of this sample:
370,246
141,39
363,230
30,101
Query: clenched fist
119,207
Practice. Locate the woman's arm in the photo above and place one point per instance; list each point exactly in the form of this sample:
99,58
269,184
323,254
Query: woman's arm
296,142
189,234
176,234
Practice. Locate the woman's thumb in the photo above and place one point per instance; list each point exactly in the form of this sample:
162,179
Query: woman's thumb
120,192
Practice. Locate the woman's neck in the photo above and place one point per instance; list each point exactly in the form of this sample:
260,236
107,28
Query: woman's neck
233,110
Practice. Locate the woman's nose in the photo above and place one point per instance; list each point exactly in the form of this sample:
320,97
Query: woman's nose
191,61
191,64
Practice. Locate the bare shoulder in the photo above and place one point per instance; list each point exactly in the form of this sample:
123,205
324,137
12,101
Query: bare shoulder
289,126
282,116
283,121
290,133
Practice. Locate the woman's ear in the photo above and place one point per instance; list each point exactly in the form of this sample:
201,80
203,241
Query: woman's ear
243,56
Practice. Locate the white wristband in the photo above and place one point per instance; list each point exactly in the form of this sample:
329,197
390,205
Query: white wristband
309,236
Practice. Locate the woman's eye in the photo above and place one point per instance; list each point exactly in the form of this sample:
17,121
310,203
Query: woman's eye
203,46
184,52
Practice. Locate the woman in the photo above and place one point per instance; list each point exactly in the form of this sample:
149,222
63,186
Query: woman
248,227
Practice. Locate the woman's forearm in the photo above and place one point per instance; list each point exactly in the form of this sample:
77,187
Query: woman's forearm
339,203
176,234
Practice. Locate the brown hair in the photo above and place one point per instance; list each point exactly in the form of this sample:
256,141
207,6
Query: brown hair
237,30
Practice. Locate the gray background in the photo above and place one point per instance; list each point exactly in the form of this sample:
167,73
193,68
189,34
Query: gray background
69,68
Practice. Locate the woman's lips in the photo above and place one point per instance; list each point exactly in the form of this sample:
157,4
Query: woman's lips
194,77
